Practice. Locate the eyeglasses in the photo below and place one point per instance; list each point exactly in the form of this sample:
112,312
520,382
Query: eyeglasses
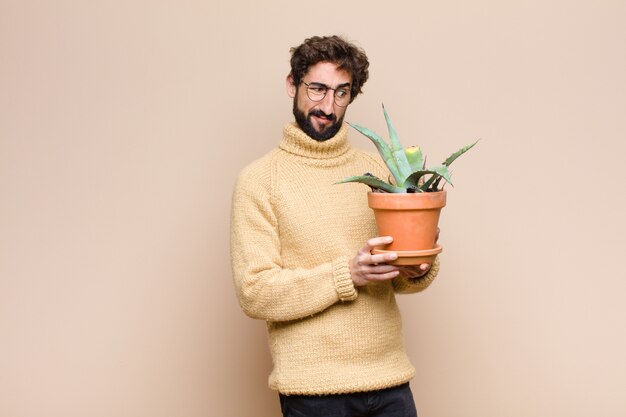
317,92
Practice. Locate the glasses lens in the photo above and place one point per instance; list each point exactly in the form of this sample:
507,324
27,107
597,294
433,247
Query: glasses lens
342,97
316,92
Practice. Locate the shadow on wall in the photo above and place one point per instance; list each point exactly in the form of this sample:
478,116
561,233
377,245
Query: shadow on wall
242,363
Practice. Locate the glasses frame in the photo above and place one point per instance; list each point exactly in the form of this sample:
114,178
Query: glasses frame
308,85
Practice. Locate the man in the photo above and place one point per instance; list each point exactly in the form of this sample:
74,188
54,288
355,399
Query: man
301,253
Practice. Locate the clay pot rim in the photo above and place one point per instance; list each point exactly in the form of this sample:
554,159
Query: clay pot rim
412,253
415,257
401,201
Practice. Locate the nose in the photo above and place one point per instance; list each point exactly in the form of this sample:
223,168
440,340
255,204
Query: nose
327,105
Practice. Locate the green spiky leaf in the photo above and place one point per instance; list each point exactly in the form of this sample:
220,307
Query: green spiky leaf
383,150
458,153
431,184
399,156
373,182
440,171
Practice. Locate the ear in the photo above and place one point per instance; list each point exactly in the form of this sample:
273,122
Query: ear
291,86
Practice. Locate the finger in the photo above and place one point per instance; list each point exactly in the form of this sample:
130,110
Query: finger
382,258
379,269
425,267
382,277
377,241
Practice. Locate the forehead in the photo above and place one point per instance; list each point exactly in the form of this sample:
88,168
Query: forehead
327,73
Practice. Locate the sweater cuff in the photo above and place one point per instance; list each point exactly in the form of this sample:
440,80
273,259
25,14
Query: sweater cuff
343,279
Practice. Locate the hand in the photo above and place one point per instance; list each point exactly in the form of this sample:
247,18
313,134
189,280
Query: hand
414,271
366,268
417,271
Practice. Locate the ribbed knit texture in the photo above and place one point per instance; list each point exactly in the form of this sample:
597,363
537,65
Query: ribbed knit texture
293,231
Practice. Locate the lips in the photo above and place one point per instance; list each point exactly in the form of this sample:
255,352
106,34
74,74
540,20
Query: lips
323,118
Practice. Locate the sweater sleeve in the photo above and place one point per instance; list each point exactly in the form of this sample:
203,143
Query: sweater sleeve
413,285
265,288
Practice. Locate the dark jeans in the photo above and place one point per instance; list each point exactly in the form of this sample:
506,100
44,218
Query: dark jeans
390,402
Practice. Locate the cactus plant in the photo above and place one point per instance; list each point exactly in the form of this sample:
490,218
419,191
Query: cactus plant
407,166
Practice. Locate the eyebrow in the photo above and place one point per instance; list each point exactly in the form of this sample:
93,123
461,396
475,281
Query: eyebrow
327,86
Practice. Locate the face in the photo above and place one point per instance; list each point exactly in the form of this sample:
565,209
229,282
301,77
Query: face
321,120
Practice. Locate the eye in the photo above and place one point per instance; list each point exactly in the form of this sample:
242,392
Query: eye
342,93
317,89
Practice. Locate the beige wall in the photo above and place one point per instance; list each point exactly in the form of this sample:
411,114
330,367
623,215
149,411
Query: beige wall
124,124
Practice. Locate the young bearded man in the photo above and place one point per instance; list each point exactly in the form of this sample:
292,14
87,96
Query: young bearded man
301,253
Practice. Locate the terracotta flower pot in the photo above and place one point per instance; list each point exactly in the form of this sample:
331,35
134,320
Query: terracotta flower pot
411,219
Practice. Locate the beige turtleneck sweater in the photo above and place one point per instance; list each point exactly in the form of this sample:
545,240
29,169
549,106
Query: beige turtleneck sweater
293,232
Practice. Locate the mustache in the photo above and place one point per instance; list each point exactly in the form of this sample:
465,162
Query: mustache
319,113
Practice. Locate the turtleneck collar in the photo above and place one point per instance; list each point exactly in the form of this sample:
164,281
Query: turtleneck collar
297,142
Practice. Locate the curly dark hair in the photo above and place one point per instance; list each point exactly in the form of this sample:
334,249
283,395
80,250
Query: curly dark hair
335,49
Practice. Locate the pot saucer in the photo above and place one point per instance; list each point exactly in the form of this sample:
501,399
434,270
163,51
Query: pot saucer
412,257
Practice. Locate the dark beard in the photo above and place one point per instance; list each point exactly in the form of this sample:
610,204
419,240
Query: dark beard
307,127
